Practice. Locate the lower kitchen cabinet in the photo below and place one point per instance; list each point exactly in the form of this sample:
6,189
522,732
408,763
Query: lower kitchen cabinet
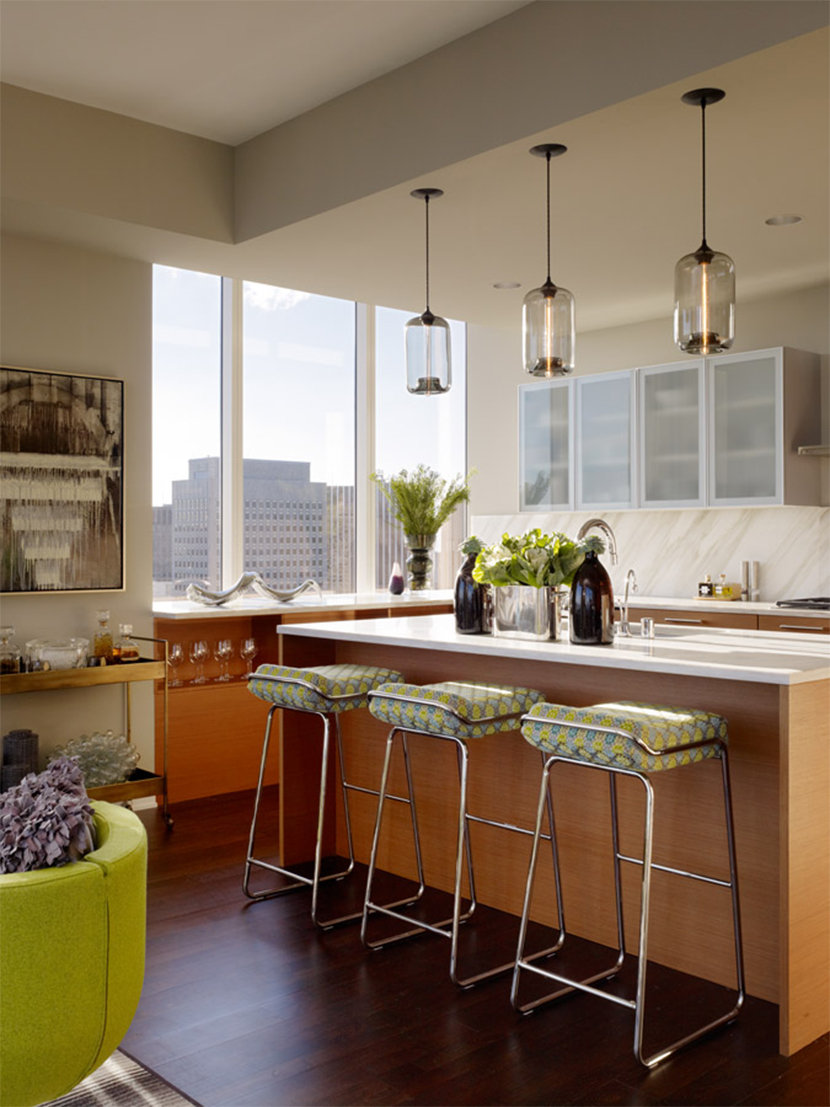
696,618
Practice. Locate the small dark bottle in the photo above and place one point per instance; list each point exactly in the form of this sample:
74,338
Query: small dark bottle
592,604
396,584
468,597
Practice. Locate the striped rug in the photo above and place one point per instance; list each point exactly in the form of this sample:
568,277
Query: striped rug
123,1082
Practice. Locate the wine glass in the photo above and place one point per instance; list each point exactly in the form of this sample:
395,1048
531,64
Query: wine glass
175,657
222,653
198,652
248,650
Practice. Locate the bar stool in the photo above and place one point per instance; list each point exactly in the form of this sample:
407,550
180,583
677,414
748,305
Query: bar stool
633,740
326,691
451,712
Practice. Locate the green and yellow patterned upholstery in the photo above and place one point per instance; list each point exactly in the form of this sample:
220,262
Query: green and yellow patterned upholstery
452,708
652,734
322,688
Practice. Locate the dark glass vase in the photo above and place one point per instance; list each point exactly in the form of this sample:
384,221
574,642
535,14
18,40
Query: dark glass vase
592,604
468,599
419,561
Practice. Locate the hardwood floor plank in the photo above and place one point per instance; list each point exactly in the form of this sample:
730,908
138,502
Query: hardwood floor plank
249,1005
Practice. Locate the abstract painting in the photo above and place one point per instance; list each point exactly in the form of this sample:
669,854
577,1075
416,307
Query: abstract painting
61,499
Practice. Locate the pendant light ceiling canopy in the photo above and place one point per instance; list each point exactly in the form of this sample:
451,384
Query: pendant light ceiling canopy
548,311
704,282
428,359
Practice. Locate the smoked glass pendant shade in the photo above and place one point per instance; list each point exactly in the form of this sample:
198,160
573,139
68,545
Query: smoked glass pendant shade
548,331
704,302
427,336
428,356
704,282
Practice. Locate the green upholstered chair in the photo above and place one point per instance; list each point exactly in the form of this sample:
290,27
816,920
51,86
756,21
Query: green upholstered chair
71,961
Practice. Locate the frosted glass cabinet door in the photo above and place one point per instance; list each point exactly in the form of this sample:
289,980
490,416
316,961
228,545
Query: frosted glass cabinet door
605,421
545,420
745,402
672,435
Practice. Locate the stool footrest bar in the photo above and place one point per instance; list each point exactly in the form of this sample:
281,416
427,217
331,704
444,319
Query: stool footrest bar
679,872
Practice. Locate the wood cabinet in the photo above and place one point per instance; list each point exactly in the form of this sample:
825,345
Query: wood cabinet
794,624
216,729
141,782
696,618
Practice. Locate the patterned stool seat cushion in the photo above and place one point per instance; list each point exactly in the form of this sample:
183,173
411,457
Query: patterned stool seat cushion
455,709
323,688
647,727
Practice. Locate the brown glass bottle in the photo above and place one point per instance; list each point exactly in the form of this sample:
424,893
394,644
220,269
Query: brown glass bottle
592,604
467,599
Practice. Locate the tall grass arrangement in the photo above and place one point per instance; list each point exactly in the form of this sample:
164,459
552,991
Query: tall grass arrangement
422,500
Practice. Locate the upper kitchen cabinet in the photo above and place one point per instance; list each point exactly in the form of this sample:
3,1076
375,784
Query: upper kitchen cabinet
673,435
546,475
605,454
762,407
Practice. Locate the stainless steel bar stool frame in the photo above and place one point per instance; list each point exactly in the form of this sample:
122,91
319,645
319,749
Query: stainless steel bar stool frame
300,880
463,852
637,1004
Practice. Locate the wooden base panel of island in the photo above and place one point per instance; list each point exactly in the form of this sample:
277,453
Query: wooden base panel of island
779,766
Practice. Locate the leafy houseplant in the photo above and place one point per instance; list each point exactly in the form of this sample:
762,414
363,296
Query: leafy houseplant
534,559
422,501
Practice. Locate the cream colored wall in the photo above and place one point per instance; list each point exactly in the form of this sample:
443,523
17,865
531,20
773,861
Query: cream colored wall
70,309
799,320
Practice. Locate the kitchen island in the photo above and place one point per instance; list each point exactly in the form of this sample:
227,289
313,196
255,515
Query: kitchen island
775,693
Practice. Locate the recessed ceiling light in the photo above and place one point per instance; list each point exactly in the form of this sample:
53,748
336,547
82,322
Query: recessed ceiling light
506,284
783,220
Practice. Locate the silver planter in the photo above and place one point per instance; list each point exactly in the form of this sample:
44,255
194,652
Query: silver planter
520,611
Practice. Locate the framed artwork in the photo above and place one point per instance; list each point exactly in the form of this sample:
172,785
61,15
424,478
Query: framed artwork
61,497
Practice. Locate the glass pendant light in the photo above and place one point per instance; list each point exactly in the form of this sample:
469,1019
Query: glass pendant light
704,282
428,362
548,312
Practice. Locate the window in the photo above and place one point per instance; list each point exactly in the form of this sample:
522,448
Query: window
186,429
289,467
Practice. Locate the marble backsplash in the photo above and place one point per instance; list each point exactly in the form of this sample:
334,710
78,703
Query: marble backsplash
670,551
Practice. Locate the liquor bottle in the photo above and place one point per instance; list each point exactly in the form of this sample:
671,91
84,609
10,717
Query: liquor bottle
468,597
125,649
102,643
10,656
592,604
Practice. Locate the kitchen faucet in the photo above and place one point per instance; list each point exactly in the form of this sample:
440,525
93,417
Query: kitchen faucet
600,524
630,582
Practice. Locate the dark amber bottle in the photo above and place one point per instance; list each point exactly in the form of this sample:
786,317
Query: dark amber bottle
467,598
592,604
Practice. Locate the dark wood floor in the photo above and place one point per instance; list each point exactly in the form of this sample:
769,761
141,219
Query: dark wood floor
248,1005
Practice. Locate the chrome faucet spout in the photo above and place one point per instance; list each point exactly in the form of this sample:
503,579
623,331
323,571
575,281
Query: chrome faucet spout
630,583
600,524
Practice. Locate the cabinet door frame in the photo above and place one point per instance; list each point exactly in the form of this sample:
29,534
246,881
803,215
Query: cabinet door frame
714,362
697,365
545,386
597,380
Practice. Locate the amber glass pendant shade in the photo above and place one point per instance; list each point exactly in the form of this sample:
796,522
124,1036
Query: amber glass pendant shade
704,282
427,336
548,332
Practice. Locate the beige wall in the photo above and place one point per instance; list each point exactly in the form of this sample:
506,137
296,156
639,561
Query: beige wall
70,309
798,319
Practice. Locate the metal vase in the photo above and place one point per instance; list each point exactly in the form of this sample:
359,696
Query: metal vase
520,611
419,561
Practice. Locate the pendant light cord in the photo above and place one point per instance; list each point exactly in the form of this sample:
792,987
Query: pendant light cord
703,168
547,159
426,202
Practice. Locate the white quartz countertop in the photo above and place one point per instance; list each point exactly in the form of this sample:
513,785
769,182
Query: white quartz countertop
756,656
342,601
362,601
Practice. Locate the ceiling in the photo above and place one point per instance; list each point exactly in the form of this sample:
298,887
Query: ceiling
222,69
625,198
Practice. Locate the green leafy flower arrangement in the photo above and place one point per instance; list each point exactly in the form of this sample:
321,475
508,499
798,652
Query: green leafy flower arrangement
535,559
422,500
